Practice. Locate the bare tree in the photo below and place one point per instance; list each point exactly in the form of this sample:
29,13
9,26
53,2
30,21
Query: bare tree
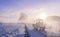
23,16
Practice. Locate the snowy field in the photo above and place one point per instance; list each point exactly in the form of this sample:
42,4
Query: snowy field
20,30
12,30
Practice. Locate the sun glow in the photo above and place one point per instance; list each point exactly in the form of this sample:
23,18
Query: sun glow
42,16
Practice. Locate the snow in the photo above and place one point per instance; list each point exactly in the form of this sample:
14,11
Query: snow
12,30
18,30
34,33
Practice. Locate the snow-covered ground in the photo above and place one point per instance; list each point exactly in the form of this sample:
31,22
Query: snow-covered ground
12,30
34,33
18,30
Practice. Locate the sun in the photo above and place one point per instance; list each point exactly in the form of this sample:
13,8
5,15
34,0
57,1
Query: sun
42,16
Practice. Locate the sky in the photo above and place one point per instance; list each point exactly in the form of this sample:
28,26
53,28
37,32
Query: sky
10,9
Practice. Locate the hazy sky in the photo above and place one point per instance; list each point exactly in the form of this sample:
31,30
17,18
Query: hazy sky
10,9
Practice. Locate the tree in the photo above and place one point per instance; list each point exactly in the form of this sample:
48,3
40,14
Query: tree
22,17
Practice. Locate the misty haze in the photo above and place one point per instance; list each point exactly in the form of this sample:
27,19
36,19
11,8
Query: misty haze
29,18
